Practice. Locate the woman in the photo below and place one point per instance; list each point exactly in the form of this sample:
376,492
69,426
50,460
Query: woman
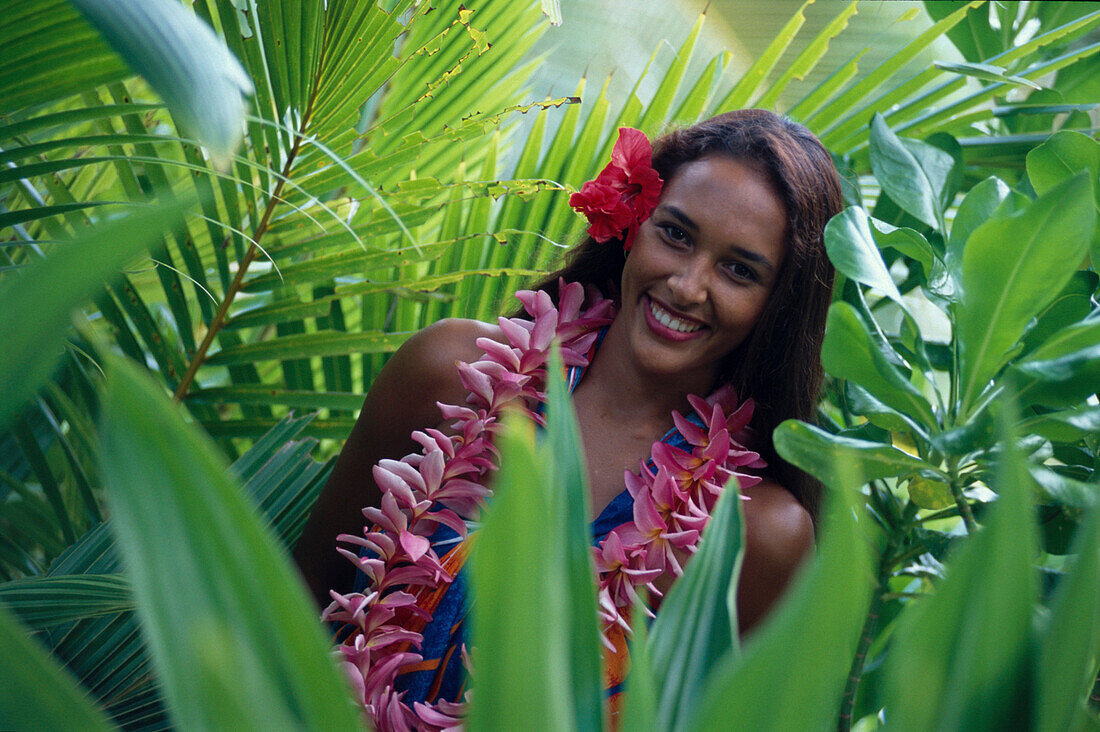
714,259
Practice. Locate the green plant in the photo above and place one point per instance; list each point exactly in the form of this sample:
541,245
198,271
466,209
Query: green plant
280,281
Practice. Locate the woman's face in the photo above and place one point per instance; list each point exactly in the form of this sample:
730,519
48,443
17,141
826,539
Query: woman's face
702,268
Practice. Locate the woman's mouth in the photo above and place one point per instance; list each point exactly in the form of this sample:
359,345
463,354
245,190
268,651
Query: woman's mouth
669,325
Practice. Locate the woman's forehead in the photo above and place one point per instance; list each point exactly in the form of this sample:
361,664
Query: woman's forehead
727,199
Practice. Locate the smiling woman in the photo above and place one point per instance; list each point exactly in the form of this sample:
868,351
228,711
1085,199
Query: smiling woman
713,260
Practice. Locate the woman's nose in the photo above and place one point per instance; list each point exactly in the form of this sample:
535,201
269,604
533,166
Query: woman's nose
688,285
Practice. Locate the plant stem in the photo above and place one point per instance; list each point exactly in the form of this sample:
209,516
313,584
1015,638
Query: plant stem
960,499
867,635
234,287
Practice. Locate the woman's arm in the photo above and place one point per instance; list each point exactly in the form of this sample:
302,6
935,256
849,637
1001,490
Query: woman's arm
402,399
779,535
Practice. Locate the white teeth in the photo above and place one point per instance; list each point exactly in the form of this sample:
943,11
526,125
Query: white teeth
664,318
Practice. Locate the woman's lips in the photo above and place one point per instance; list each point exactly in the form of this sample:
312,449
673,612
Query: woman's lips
668,324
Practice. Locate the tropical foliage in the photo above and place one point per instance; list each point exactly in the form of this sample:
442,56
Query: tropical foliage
160,239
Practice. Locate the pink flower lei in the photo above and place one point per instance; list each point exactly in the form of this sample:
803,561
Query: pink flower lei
444,484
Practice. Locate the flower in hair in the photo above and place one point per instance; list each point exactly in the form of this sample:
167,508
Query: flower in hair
625,192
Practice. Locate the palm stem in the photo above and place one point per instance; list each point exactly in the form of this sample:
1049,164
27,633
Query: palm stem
238,281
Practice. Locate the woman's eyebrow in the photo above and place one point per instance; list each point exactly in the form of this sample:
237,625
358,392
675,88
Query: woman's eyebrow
684,220
680,216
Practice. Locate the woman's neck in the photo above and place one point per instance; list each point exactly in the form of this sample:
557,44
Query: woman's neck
623,390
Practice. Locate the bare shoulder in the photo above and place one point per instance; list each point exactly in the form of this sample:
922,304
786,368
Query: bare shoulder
444,342
423,372
779,536
402,398
777,526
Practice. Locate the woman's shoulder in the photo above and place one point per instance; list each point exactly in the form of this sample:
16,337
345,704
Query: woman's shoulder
777,526
779,536
446,341
422,371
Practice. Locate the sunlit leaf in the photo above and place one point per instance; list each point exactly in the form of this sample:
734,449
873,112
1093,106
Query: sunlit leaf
184,61
985,72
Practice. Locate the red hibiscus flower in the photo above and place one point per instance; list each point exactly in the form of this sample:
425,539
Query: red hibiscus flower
625,192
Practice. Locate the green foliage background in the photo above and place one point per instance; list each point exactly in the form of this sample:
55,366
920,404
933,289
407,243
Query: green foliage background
250,241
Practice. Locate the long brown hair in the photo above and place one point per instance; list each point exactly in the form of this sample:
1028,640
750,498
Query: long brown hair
779,364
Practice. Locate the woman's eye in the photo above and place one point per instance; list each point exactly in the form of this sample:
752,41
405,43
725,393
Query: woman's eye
674,233
741,271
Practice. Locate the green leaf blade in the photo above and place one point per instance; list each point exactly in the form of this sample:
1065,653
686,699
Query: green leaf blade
792,677
1011,268
184,61
959,658
200,560
697,628
37,693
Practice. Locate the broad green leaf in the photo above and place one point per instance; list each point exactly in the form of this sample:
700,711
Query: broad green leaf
977,207
958,659
977,433
1068,425
1011,268
930,494
1069,649
201,563
863,403
44,601
696,629
851,247
1061,157
906,241
839,460
35,308
1065,491
849,352
985,72
522,676
571,517
1072,305
914,174
1064,155
184,61
793,670
37,693
1063,371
